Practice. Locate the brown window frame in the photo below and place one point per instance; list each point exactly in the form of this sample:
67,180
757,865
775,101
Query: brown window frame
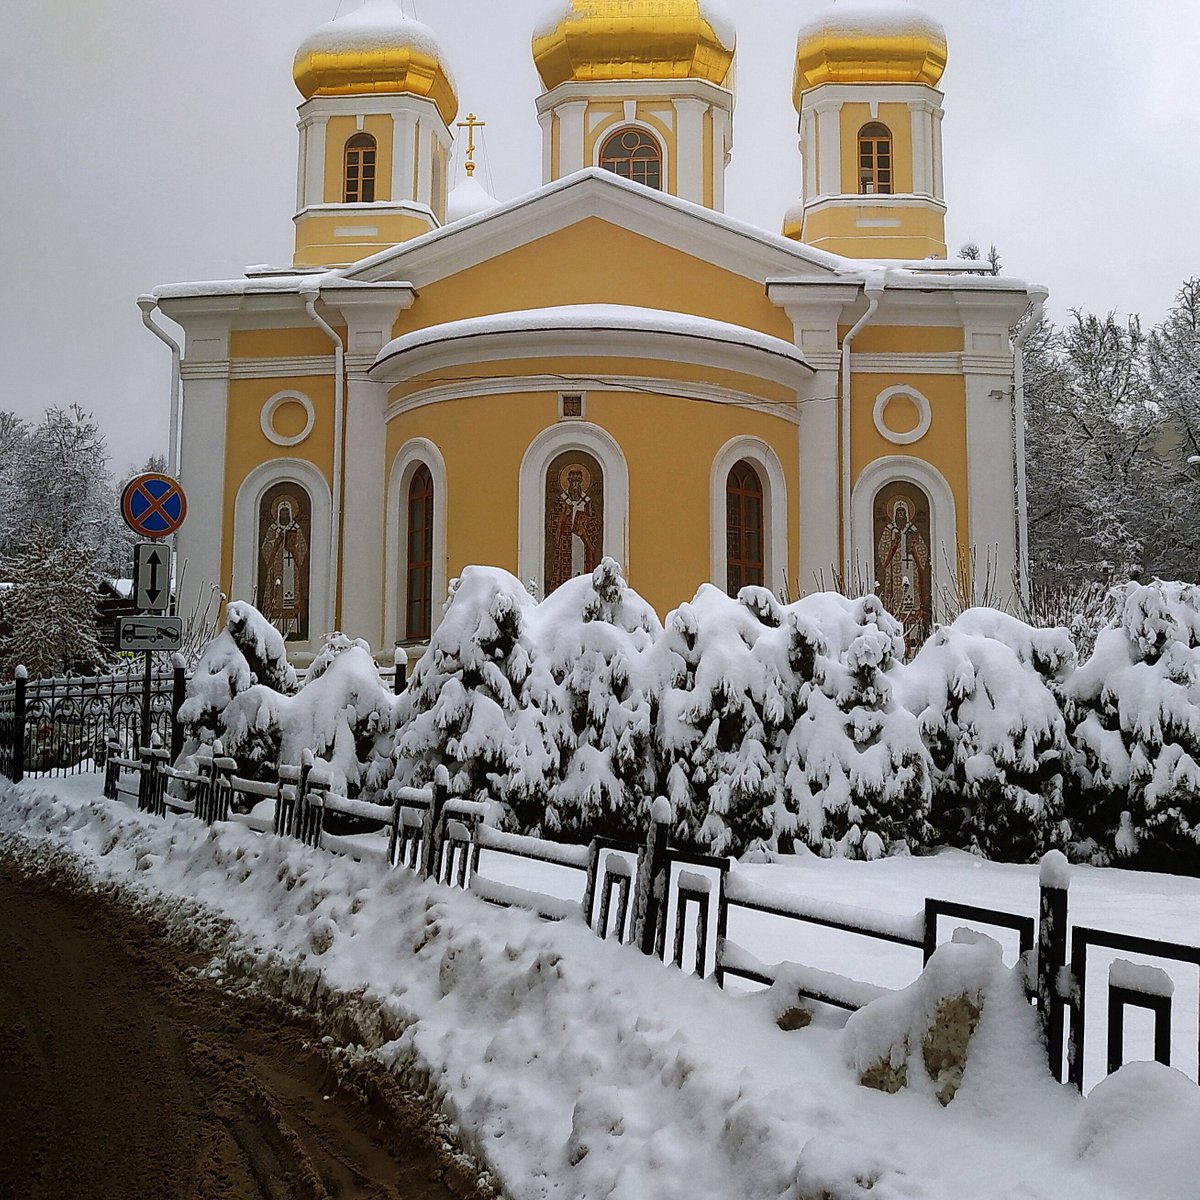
745,517
876,160
359,160
630,163
418,597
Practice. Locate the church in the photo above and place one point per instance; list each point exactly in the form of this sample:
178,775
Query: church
607,364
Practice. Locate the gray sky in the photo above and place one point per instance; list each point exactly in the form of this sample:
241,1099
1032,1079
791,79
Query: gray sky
153,141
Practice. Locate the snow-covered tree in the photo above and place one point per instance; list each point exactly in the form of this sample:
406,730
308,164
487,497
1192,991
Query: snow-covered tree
593,636
48,610
856,770
984,691
1135,711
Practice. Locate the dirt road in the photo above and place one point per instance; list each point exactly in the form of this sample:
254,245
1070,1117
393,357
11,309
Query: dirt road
123,1075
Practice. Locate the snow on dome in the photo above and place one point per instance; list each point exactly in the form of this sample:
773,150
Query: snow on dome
869,41
591,40
375,48
469,199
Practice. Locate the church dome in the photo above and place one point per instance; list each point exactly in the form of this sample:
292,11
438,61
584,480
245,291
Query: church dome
595,40
375,48
869,41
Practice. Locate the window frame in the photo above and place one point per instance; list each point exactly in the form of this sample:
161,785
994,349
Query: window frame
360,145
876,178
646,138
419,570
742,570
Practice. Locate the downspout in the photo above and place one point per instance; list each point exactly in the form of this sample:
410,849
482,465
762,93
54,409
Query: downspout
339,420
873,288
1020,335
149,305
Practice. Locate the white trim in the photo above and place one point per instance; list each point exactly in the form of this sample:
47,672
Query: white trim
775,511
508,385
246,540
531,521
413,454
943,519
266,418
924,415
281,368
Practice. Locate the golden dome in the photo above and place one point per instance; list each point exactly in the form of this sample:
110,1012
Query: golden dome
375,48
869,41
597,40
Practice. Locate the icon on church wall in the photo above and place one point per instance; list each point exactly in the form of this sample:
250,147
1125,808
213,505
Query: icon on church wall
574,517
285,530
903,568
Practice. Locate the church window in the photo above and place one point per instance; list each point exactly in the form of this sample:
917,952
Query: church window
360,170
634,155
903,563
284,538
743,528
574,531
419,617
875,160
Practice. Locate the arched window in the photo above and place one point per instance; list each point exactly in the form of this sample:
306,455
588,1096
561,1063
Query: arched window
743,528
359,174
419,616
284,538
635,155
903,559
574,533
875,160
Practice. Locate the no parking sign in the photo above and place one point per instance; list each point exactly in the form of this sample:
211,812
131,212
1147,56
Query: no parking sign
153,505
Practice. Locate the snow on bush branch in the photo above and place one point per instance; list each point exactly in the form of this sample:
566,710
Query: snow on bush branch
771,727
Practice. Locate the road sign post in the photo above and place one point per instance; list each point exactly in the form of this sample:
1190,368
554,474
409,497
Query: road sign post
153,506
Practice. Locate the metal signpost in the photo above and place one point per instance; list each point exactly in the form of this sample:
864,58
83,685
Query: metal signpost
154,506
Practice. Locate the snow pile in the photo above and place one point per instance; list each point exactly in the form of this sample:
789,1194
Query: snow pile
1135,708
468,199
375,27
572,1066
984,691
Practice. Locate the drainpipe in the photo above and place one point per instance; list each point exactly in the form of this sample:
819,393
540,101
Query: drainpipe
339,418
1020,335
149,305
873,288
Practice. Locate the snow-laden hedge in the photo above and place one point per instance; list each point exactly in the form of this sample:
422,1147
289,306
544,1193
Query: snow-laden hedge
769,726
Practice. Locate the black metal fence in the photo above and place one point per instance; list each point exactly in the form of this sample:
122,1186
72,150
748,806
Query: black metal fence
62,726
669,900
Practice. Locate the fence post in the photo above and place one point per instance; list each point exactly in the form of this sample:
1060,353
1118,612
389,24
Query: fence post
178,689
649,914
21,679
400,661
1054,880
433,836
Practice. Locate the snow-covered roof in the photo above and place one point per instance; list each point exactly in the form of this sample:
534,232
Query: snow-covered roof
605,317
469,199
878,18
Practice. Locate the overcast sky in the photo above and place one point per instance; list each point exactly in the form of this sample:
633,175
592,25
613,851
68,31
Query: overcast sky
153,141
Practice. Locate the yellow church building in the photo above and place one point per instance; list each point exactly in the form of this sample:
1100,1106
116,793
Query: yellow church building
607,364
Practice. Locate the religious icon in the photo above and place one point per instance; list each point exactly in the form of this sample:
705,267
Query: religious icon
574,517
902,559
285,519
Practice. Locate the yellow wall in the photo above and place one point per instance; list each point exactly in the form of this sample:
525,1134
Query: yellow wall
484,439
337,133
246,447
318,245
596,262
921,231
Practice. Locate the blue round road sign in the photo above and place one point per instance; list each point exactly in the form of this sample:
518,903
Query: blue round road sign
153,505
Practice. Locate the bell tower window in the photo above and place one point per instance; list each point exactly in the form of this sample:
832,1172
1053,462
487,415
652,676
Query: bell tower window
634,155
875,160
359,172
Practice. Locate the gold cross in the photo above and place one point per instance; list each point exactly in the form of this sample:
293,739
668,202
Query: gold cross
471,124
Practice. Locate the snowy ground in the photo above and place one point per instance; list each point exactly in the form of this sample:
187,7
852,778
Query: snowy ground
577,1068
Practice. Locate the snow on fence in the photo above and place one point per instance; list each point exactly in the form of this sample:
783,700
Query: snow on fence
668,897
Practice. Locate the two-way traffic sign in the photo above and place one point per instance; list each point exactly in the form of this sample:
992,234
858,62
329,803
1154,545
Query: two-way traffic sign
149,633
151,577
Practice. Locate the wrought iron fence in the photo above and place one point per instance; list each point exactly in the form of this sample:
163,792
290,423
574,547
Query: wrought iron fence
62,726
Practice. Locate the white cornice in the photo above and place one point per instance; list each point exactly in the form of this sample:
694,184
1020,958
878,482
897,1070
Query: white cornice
638,89
515,384
908,364
281,368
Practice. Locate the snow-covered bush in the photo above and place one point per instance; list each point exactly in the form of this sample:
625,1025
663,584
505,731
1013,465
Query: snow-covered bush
1135,710
249,651
854,766
984,691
